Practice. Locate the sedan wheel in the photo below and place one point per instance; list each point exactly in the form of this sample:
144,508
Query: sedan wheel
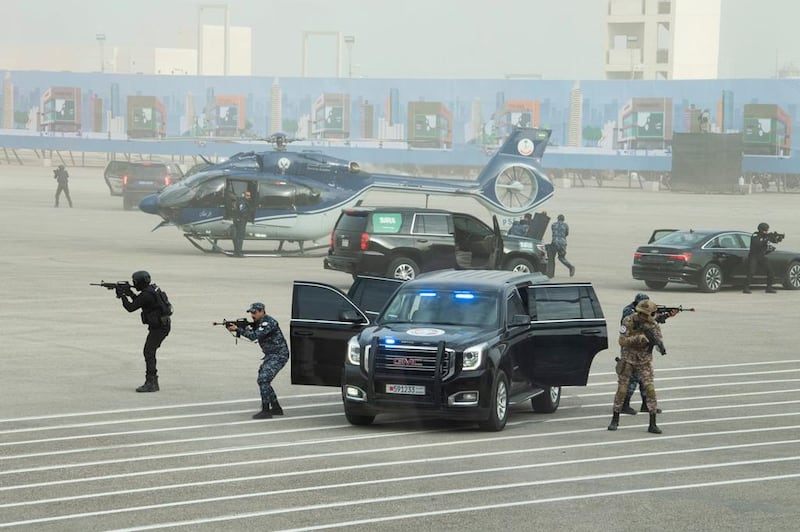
711,278
792,278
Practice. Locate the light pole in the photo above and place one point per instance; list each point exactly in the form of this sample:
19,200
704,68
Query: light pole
349,41
101,39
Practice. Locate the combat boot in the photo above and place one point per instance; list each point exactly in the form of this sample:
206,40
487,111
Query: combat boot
771,290
150,384
614,422
275,409
645,409
265,412
626,406
653,427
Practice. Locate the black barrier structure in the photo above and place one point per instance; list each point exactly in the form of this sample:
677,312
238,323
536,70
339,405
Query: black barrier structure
706,162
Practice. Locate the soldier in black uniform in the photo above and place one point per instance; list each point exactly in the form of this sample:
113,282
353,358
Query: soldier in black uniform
760,245
153,315
61,175
241,214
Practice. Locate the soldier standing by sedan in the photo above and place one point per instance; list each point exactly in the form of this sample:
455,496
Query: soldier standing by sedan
638,334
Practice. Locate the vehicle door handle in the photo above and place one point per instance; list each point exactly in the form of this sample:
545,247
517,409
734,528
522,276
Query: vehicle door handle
423,240
590,331
304,333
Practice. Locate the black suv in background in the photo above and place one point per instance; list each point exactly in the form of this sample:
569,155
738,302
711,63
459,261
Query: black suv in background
135,180
454,344
113,174
402,242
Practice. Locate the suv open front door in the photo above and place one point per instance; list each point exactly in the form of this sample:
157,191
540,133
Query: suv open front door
568,330
324,319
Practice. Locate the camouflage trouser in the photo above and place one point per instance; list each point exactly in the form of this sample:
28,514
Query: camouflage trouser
645,373
270,367
561,253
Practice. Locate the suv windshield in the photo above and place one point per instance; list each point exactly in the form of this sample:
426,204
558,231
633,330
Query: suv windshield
443,307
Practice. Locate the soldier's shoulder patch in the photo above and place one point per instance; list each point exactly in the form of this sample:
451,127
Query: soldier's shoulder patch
623,329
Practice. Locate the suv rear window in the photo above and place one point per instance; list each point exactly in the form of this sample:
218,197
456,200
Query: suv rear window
352,221
149,171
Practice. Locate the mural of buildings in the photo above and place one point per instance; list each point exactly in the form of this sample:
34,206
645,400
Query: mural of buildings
61,109
275,108
767,130
575,127
8,102
646,123
229,116
430,125
367,120
331,112
515,113
147,117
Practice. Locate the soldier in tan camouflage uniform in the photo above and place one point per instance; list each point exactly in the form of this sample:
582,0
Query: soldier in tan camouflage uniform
637,356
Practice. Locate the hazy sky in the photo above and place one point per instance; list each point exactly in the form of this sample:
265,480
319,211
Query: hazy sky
559,39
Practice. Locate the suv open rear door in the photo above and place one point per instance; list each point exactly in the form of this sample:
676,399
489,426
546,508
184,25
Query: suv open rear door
568,330
324,319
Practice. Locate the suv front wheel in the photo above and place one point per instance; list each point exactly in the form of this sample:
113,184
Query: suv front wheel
402,268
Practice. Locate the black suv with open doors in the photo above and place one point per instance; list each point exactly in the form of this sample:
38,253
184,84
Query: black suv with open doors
402,242
456,344
135,180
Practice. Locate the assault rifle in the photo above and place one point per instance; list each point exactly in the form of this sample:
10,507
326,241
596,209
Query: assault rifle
662,312
122,287
241,323
776,237
654,341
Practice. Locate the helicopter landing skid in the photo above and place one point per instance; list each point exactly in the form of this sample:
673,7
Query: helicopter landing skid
209,245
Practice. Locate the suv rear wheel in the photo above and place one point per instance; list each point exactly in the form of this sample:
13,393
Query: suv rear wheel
402,268
548,401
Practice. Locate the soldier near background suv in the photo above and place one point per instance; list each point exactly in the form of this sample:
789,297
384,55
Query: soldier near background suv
560,231
61,175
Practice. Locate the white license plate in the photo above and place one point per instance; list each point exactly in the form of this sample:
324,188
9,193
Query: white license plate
146,182
405,389
345,242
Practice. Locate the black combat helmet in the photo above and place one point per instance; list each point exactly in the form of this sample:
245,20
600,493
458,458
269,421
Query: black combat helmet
763,226
140,279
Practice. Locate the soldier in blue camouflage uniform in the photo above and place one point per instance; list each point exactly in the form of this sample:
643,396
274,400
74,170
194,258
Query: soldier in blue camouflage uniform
637,357
276,353
559,243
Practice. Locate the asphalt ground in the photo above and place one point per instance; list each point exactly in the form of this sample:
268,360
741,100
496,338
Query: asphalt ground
80,450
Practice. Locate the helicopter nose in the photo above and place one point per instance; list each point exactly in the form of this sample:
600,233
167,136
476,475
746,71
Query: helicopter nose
149,204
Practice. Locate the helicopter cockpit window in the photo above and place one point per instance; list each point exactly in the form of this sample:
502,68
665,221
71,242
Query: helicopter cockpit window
305,195
210,193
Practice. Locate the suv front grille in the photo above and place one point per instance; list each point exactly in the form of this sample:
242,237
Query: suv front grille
413,361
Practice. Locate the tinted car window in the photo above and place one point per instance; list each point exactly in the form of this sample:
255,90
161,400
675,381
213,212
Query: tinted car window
352,221
321,305
148,171
682,238
386,222
431,224
563,303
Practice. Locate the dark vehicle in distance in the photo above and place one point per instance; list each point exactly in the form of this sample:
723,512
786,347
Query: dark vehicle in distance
708,259
142,179
462,345
402,242
113,174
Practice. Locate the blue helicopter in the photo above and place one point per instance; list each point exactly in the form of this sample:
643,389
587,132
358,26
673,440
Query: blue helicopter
298,195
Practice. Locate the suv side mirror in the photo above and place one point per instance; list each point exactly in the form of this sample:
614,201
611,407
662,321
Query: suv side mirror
519,320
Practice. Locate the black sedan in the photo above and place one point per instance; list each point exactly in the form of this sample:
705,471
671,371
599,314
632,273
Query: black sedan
708,259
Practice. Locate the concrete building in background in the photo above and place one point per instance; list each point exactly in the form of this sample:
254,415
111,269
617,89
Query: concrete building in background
241,51
8,102
662,39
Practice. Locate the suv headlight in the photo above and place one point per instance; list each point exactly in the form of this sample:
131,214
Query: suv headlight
354,351
473,356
